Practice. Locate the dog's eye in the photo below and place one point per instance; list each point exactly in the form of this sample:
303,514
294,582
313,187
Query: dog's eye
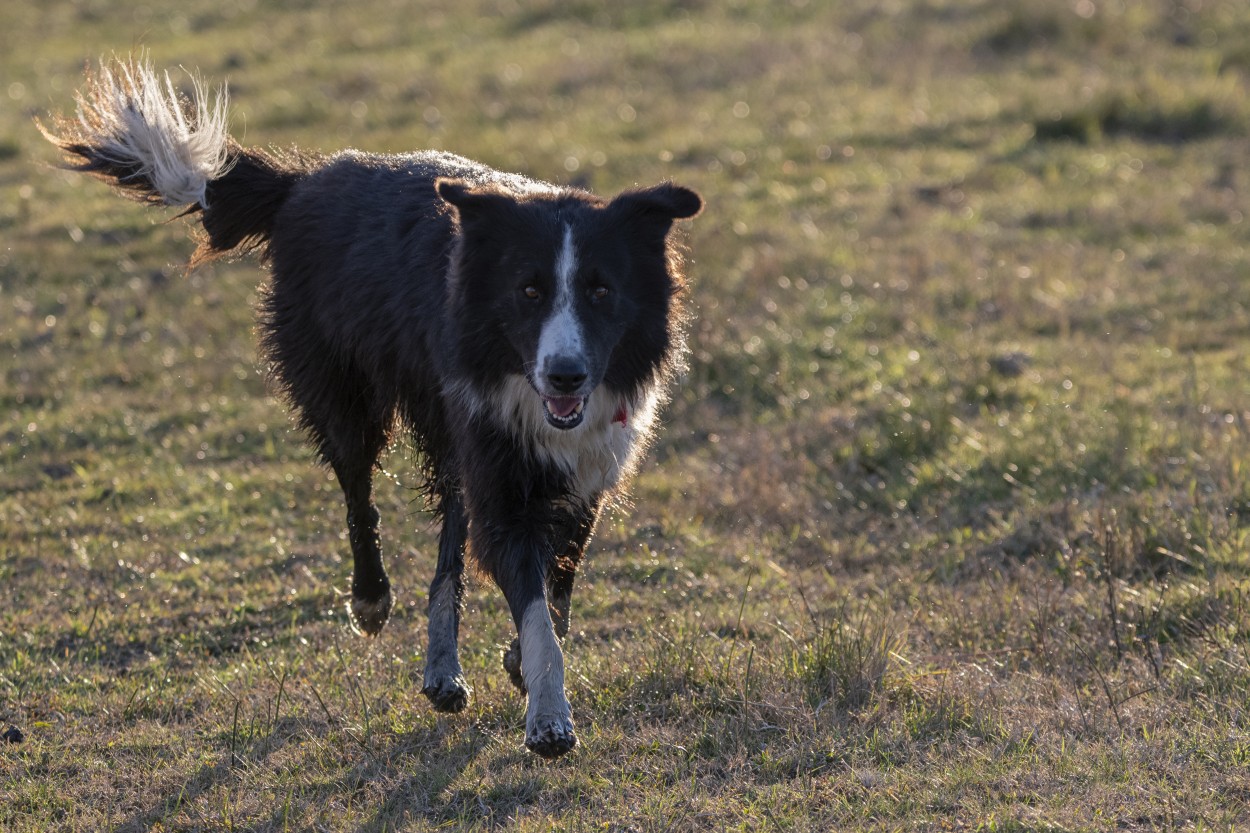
532,292
599,293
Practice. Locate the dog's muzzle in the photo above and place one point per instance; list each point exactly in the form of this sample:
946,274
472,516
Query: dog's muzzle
562,390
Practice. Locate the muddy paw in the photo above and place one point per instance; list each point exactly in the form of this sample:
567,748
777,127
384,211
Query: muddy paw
512,664
370,615
447,694
551,737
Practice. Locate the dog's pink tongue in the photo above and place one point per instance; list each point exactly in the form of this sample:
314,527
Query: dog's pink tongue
562,406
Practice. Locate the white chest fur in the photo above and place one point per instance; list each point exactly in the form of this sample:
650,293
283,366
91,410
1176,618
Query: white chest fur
597,454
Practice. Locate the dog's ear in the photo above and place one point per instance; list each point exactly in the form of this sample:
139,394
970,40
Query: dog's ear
471,200
664,202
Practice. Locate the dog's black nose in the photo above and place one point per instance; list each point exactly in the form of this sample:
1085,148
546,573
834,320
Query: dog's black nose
566,375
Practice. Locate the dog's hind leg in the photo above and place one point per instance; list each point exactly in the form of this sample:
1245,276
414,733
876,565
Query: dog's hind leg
350,430
349,425
371,589
445,685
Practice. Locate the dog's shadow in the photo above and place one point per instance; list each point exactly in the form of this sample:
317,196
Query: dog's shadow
384,777
428,761
425,792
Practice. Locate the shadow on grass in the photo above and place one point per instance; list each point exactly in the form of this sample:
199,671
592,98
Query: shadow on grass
226,769
423,794
384,779
182,637
297,802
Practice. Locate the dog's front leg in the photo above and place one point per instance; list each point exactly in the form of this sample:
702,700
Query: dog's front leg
444,682
548,718
563,571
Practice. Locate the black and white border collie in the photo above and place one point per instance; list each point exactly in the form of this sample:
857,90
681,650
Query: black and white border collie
523,334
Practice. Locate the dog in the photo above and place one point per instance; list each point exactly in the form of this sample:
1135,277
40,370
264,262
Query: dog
523,334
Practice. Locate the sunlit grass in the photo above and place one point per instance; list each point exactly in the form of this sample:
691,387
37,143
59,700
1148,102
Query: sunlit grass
947,526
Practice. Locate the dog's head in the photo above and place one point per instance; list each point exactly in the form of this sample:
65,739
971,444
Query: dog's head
567,289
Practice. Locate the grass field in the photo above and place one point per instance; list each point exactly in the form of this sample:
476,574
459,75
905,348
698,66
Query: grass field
949,526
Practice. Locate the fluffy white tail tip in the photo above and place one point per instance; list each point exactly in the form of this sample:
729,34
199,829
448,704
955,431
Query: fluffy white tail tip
135,116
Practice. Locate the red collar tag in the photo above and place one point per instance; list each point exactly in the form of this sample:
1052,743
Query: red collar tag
621,415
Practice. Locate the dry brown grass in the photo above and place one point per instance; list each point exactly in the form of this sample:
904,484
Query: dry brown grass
948,525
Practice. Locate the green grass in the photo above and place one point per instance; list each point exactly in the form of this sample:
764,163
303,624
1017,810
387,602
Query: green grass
949,525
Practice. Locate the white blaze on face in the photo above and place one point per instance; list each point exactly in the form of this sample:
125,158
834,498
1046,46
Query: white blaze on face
561,335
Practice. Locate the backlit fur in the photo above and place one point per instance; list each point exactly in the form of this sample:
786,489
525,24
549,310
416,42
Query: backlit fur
522,334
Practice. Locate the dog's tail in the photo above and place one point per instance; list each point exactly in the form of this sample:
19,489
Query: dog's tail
137,132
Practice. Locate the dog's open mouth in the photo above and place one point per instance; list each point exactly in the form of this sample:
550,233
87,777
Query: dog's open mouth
564,411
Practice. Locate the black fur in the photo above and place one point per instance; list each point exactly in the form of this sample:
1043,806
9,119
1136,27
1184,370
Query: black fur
410,292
